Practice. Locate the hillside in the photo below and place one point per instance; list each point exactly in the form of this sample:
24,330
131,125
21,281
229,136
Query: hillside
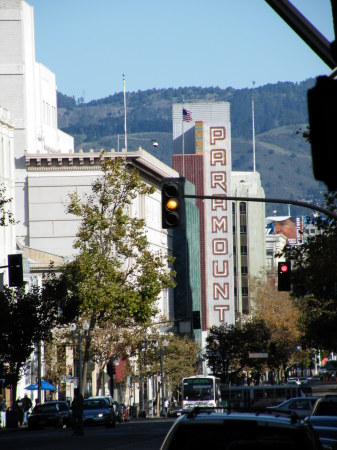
283,157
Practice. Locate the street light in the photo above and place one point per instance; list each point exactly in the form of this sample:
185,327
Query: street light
80,337
162,350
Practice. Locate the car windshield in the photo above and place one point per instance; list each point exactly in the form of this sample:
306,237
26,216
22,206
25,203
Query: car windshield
326,409
95,404
198,391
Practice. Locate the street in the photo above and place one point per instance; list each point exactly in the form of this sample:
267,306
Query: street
147,434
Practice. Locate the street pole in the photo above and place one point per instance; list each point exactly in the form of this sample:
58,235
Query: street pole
163,413
80,360
39,372
141,385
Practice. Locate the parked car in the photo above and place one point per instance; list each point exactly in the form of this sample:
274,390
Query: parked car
175,410
202,429
293,380
98,411
325,406
46,415
64,408
302,406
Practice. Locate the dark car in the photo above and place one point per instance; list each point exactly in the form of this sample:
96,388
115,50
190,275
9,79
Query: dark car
98,411
302,406
202,429
174,410
65,410
46,415
326,429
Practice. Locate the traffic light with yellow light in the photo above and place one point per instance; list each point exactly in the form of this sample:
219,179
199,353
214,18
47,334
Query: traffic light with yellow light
284,276
173,202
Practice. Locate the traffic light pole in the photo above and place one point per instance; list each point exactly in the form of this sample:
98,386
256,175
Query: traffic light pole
266,200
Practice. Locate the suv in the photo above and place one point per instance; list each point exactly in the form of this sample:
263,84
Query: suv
202,429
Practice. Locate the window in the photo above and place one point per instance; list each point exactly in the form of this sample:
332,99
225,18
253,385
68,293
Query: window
243,207
243,249
243,229
244,270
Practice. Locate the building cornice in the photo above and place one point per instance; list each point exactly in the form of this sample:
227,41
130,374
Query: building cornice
86,161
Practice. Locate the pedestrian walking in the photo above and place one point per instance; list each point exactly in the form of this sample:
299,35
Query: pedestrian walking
77,411
19,410
3,408
166,404
26,404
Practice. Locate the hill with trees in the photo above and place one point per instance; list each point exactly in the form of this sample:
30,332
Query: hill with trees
283,156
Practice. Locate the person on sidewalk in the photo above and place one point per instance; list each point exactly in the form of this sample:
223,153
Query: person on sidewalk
19,410
77,411
3,408
26,404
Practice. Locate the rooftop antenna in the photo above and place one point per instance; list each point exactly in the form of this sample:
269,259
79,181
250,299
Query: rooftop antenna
253,126
125,134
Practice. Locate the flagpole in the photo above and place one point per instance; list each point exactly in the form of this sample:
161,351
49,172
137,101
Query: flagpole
125,134
253,126
183,140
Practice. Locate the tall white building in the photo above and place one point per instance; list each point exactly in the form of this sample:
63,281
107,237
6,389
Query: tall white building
28,91
7,233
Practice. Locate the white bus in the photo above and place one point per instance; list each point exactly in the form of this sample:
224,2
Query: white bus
201,390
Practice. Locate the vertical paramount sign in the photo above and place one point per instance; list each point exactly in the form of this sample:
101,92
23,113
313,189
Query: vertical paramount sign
218,245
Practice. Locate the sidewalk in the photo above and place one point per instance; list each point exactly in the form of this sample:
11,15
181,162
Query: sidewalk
19,428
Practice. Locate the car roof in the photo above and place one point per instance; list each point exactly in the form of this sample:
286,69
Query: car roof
211,415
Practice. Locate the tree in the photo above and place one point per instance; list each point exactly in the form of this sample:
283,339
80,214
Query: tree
281,316
115,277
314,280
25,319
222,352
6,216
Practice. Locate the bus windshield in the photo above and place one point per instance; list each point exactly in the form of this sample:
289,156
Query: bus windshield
198,389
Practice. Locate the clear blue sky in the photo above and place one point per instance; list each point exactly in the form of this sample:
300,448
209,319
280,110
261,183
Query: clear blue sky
160,44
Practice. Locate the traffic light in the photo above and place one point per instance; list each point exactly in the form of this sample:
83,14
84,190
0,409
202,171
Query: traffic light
322,101
70,371
196,320
284,276
173,202
15,271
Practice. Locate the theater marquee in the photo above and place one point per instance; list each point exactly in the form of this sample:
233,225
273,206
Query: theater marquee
218,219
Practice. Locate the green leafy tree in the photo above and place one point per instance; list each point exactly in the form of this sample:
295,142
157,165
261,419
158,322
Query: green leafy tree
6,216
115,276
25,319
222,352
314,267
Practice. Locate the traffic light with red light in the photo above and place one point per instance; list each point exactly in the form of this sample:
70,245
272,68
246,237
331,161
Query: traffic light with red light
284,276
173,202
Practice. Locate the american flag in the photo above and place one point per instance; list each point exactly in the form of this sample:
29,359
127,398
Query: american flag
187,115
